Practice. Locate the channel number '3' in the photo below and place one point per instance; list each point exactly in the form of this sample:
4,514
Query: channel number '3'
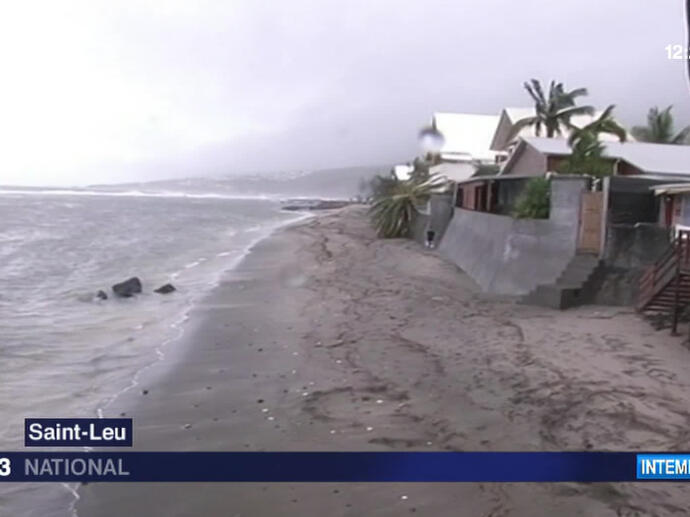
5,469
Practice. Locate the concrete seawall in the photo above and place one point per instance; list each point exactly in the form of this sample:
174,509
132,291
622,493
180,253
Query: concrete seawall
629,250
440,210
513,256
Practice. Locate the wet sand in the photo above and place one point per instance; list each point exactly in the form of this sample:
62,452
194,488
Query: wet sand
326,338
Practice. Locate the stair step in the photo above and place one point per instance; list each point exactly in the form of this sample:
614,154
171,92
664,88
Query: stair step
669,297
574,278
663,304
554,296
568,289
670,293
655,306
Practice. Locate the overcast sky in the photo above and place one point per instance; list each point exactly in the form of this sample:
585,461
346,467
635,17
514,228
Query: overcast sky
114,91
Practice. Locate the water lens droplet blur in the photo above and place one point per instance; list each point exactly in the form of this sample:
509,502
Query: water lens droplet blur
431,140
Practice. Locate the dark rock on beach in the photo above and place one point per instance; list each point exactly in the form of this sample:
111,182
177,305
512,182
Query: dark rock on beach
128,288
101,295
165,289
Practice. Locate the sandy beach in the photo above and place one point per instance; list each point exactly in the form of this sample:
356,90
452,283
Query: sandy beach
325,338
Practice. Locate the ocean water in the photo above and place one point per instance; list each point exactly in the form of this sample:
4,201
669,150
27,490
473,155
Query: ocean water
67,354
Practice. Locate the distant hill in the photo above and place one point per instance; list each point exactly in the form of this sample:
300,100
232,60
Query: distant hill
340,183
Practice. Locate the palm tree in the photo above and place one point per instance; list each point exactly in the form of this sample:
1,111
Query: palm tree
553,112
394,206
587,155
605,123
659,129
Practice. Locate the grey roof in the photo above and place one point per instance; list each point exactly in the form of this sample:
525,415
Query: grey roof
496,177
454,171
671,188
650,158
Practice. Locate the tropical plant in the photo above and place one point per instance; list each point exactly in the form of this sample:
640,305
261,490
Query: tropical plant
552,112
395,202
534,200
587,155
382,184
604,124
660,130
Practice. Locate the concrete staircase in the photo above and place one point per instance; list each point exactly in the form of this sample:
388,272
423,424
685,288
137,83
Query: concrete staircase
575,286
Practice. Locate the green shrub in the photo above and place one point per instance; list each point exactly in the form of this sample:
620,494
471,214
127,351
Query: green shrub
533,202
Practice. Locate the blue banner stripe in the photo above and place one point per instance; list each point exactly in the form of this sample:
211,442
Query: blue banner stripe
320,466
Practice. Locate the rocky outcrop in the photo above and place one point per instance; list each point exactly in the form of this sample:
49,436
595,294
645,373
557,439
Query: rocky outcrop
128,288
165,289
101,295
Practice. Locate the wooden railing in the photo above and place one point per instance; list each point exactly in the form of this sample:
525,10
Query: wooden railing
666,273
656,277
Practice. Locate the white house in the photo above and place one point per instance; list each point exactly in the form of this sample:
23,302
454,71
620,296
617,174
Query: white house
466,136
403,171
466,143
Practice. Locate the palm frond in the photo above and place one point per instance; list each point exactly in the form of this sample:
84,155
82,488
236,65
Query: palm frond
578,92
523,123
682,137
612,127
568,113
641,133
660,128
554,112
535,91
608,112
555,89
392,212
605,123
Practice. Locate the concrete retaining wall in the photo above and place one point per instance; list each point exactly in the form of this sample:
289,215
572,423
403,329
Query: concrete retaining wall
440,211
420,223
629,250
634,246
513,256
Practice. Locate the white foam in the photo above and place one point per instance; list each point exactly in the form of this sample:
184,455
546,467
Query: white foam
177,325
178,329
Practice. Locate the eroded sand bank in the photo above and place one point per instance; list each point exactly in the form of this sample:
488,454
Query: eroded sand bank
328,339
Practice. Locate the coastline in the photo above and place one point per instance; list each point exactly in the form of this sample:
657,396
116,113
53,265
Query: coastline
178,326
324,338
